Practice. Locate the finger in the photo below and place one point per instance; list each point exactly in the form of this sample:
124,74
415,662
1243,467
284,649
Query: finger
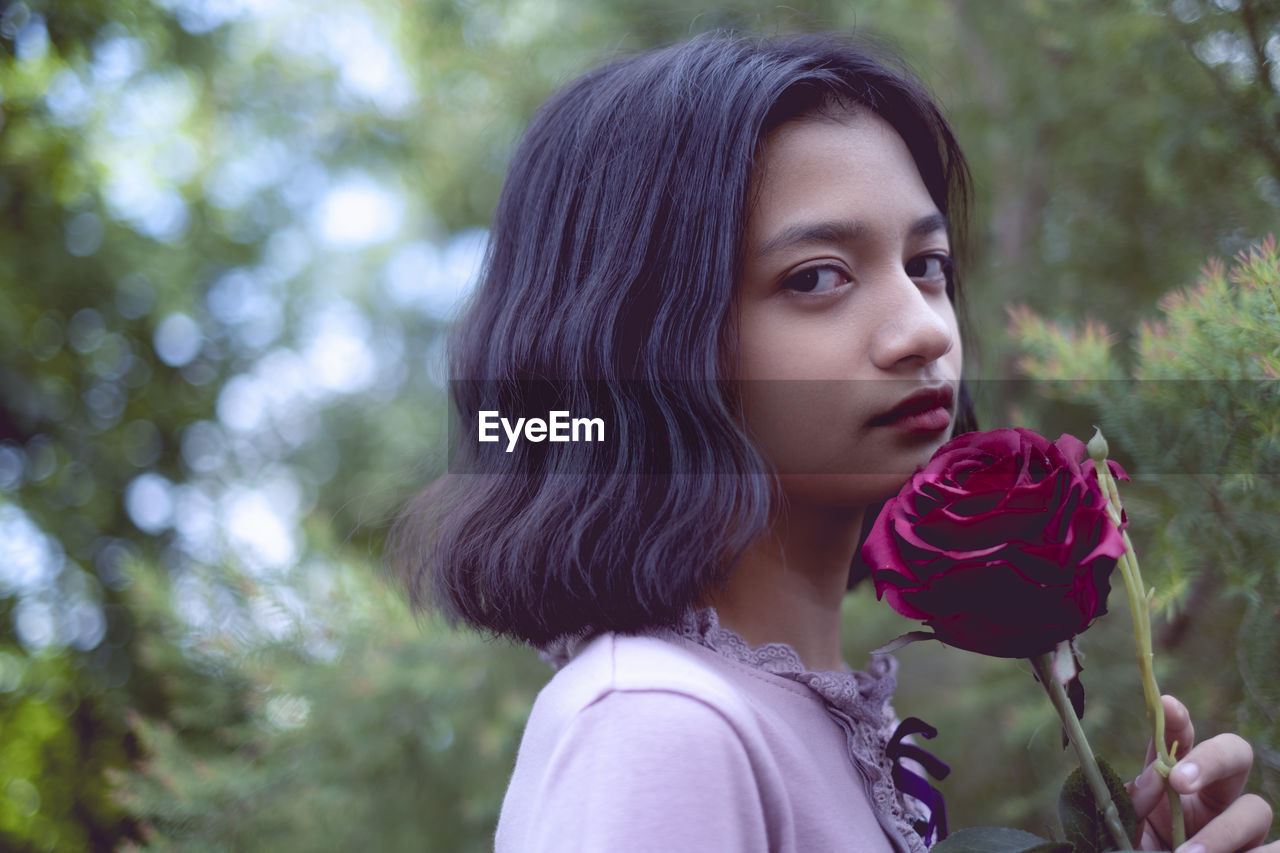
1210,778
1215,769
1178,728
1215,772
1147,793
1244,824
1150,840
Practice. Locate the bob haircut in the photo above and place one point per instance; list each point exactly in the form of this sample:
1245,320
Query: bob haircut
614,254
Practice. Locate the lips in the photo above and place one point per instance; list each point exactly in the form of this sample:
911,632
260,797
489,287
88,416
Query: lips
928,409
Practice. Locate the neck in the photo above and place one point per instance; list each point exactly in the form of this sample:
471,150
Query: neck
789,584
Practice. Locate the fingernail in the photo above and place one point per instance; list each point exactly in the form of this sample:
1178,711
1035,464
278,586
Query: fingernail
1144,779
1189,771
1197,847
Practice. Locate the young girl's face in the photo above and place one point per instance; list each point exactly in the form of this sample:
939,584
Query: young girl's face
843,310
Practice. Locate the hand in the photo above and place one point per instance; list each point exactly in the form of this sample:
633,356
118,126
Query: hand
1209,778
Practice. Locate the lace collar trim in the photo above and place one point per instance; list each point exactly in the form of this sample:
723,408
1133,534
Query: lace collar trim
863,695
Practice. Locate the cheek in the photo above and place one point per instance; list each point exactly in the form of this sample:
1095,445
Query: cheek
781,342
801,426
801,405
767,347
796,405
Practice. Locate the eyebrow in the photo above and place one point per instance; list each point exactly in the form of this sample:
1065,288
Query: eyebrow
846,231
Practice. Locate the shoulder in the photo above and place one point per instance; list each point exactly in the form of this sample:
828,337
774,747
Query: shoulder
621,663
625,742
637,688
669,686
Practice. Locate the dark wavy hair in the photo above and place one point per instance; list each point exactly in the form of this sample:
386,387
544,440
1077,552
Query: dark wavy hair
614,253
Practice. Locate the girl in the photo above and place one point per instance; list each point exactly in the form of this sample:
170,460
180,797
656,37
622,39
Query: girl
737,255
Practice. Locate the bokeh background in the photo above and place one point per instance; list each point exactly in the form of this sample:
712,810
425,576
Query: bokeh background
232,232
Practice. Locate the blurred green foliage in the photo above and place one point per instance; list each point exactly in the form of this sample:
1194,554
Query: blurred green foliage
232,232
394,736
1197,408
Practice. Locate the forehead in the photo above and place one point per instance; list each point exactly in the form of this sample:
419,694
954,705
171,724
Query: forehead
836,166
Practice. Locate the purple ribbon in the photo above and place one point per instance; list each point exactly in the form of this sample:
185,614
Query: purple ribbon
913,784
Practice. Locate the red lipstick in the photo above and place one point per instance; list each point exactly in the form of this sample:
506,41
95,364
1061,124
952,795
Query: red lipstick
928,410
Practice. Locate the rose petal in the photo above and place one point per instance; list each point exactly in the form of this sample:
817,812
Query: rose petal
1072,448
1000,543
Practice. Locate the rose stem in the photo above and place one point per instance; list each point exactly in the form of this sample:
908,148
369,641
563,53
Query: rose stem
1043,665
1140,610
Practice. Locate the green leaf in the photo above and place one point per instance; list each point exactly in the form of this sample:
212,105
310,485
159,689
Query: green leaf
903,640
1082,821
997,839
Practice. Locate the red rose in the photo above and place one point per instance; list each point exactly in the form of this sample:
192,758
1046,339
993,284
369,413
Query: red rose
1001,543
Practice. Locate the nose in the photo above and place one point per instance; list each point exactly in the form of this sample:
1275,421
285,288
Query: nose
915,326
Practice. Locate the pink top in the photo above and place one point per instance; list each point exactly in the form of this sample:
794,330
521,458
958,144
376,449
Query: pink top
691,740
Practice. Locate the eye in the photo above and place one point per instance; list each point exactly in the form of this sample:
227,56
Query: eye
933,268
820,279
